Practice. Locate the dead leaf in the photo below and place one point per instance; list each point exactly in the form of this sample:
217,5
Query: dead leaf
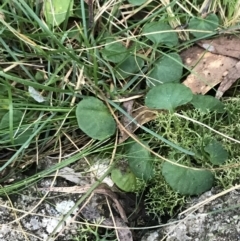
228,46
208,69
223,45
128,125
233,75
142,115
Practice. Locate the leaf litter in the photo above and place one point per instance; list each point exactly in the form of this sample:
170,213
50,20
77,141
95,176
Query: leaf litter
212,62
141,114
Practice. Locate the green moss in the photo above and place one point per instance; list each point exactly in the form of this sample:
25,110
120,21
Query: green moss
161,199
192,136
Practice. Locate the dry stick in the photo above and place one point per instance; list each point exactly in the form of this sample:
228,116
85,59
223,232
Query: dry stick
113,219
108,5
127,98
35,214
37,150
90,14
63,122
147,130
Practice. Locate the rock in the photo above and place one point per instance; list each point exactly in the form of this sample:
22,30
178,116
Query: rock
28,219
218,220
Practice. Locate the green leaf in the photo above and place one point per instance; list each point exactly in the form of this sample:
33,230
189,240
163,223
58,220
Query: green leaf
166,69
4,105
137,2
39,76
3,88
19,138
114,52
130,66
207,103
210,23
140,161
17,117
168,96
154,32
218,155
187,181
125,180
20,135
94,119
56,11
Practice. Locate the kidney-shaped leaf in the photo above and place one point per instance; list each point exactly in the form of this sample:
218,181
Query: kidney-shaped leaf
94,119
125,180
207,103
187,181
210,23
130,66
114,52
168,96
166,69
160,33
21,135
17,117
217,154
56,11
140,161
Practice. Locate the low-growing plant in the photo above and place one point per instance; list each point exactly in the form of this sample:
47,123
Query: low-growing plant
212,150
89,232
67,66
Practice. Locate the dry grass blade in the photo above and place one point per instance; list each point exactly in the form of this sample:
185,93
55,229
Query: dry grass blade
174,20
